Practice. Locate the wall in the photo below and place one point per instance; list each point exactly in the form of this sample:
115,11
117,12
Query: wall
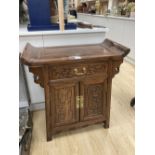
121,30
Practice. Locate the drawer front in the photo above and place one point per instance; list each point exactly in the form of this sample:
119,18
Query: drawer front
76,70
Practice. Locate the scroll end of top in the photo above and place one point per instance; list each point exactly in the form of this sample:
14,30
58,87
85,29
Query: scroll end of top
25,54
109,43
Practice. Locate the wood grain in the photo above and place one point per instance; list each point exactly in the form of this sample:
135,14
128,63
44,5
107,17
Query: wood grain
95,140
108,50
67,71
63,97
94,92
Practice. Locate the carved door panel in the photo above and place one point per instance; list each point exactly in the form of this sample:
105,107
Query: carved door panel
93,92
63,102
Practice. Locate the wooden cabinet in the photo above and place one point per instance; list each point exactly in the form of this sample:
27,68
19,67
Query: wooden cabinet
77,82
76,101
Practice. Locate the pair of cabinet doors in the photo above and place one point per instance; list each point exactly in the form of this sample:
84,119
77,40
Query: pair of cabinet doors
75,100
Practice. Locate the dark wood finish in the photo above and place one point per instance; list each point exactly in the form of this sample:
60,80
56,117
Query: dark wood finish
68,71
63,98
93,89
49,114
77,81
66,54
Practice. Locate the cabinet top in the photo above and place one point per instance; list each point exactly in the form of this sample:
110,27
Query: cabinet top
48,55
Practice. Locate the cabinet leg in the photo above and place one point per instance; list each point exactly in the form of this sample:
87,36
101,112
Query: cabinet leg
106,124
49,138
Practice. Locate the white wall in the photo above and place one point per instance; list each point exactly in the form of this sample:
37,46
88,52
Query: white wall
121,30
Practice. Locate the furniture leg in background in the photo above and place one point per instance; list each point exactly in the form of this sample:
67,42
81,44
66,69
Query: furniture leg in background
132,102
25,115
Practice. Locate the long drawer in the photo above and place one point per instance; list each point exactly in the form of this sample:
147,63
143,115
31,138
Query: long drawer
76,70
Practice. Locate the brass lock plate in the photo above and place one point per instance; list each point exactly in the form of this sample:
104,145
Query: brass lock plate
79,102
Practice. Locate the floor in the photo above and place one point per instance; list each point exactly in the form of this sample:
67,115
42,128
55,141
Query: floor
95,140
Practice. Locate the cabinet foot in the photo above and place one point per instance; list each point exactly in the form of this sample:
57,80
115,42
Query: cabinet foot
106,124
49,138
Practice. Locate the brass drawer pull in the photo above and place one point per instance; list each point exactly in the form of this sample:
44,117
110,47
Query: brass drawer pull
80,73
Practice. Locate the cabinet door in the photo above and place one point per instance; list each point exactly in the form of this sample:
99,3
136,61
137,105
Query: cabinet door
93,92
63,102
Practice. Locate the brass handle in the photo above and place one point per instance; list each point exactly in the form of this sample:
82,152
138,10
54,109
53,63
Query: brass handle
80,73
81,101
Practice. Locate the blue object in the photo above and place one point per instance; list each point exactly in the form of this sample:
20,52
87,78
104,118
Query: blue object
39,15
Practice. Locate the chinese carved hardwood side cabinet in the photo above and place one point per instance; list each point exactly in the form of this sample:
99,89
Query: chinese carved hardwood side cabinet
77,82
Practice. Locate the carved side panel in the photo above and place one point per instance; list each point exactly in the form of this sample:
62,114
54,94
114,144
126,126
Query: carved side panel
64,100
38,75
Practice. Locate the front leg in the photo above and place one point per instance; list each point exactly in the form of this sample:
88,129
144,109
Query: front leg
49,137
106,124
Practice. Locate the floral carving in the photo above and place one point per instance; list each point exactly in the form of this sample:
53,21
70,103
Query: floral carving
38,75
95,100
116,66
67,71
64,105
